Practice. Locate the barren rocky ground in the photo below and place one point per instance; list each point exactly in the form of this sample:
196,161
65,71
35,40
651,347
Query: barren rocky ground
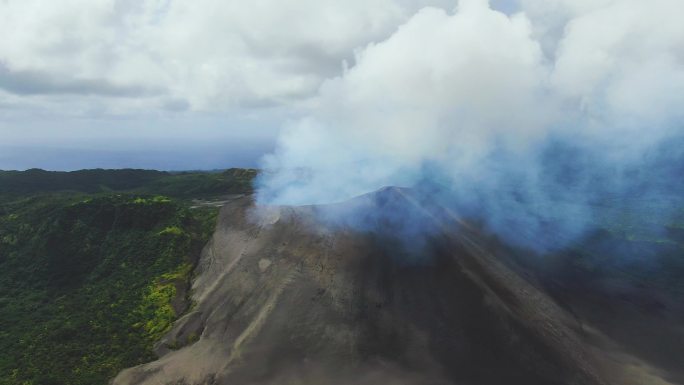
283,296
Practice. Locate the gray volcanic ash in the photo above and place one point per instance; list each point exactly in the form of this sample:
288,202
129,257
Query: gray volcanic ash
293,299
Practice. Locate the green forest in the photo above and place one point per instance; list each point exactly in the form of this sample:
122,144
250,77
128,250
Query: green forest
95,267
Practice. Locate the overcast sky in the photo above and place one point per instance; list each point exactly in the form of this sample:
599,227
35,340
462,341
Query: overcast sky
190,84
172,84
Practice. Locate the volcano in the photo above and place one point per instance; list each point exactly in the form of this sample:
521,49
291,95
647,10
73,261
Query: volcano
409,293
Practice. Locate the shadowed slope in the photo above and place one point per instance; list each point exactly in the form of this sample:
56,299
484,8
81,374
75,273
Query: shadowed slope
292,299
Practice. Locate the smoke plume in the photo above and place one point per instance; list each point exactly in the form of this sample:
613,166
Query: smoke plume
523,120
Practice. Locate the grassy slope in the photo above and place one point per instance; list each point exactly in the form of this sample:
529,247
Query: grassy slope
87,281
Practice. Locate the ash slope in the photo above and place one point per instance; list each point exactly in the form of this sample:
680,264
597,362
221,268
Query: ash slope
292,299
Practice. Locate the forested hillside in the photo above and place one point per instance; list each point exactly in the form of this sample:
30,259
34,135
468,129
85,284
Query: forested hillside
89,281
178,184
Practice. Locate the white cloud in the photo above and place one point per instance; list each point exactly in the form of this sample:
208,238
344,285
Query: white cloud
459,92
624,58
214,54
439,90
424,83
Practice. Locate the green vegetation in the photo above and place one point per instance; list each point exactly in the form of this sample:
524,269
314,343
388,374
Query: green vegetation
178,185
90,279
156,307
199,185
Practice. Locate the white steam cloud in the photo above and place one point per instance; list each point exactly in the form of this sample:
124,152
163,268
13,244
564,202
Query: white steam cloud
472,97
